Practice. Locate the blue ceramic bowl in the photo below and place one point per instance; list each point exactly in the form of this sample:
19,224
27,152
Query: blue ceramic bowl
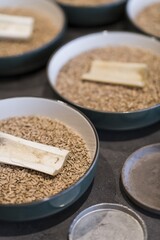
31,60
86,16
54,109
106,120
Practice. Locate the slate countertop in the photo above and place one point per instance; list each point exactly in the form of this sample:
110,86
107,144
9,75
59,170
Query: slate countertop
115,147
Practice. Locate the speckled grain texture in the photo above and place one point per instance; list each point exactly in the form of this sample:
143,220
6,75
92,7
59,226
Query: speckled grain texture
43,32
107,97
115,147
86,2
19,185
149,19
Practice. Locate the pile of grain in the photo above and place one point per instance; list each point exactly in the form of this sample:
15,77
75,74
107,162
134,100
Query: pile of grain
20,185
149,19
86,2
44,31
106,97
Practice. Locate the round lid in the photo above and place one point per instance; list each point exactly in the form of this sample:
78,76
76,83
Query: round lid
141,177
108,221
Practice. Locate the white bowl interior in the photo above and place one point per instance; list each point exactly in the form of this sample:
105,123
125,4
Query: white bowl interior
47,7
134,7
96,40
54,109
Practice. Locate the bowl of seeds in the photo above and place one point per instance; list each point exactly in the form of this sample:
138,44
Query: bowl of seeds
92,12
113,77
145,16
48,157
29,31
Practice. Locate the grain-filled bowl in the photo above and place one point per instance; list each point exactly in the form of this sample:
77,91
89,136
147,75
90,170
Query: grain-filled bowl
145,16
18,56
109,106
92,12
28,194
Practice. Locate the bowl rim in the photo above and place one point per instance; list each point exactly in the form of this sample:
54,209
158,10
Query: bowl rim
131,196
86,108
46,45
94,160
97,7
104,112
133,22
103,206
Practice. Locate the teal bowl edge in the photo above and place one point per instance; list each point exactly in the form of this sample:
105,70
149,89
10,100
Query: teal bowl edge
53,204
124,121
117,121
31,60
93,16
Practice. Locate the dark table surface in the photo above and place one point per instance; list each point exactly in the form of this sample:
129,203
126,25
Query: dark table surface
115,147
